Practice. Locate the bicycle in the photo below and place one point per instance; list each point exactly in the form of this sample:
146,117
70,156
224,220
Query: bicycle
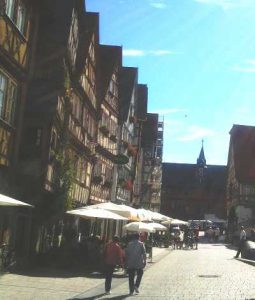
7,258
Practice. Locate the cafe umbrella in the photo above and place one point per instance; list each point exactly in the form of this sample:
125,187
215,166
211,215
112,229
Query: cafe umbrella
96,213
138,227
125,211
8,201
157,226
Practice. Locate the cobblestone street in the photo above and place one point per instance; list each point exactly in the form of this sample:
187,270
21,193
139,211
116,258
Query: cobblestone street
207,273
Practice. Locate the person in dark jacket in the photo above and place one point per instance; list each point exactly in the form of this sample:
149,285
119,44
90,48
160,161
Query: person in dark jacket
113,256
135,256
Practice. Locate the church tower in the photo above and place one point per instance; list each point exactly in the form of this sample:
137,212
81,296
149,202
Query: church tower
201,164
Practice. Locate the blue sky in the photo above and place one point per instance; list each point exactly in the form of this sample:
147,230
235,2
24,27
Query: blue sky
197,58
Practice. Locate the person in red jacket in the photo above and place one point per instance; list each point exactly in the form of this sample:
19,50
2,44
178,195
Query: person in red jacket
113,256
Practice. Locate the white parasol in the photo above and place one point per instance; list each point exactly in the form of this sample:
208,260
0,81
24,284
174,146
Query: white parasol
7,201
159,217
157,226
175,222
138,227
90,213
144,214
123,210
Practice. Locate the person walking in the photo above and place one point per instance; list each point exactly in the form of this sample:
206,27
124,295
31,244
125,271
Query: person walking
135,256
113,255
242,239
196,236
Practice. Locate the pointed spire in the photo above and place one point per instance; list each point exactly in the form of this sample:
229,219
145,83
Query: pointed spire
201,159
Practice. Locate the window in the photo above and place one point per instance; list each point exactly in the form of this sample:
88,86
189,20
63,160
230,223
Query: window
8,96
73,38
16,11
10,8
3,86
88,78
21,15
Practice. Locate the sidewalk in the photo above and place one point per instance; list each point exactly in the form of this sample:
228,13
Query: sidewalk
58,284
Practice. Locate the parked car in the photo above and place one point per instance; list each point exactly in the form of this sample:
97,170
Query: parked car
248,251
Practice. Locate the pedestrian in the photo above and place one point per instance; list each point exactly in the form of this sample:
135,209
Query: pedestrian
113,256
196,236
216,234
181,239
242,239
135,255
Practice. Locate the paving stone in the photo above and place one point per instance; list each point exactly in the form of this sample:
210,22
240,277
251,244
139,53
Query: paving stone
208,273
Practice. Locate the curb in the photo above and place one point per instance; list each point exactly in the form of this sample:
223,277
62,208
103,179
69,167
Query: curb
247,261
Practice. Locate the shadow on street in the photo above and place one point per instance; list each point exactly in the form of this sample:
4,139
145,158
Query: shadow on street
120,297
60,273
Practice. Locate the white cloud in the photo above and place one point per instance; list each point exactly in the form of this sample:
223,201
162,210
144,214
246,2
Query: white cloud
195,133
249,67
160,52
133,52
138,52
160,4
227,4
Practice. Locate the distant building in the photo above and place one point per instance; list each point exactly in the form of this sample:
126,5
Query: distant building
241,177
191,191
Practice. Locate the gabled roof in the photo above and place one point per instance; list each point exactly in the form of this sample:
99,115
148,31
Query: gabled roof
54,28
180,175
127,84
110,58
56,17
142,100
90,26
150,130
243,143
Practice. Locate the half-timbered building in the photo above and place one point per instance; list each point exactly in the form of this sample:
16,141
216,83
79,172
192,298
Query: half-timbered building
128,142
18,27
110,58
61,117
